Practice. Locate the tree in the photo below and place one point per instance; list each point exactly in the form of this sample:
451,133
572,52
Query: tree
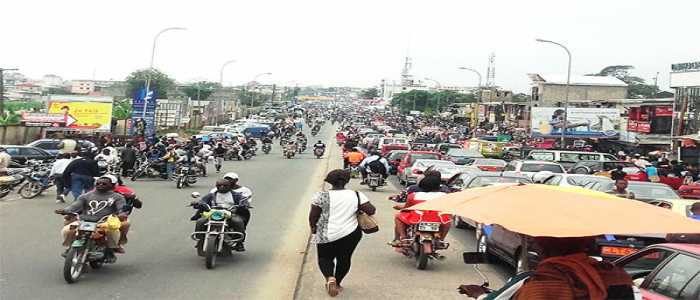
159,81
121,109
370,93
636,86
10,118
201,90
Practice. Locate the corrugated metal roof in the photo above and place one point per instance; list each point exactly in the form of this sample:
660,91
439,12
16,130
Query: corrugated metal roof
578,80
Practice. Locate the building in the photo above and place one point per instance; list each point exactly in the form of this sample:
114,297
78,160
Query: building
82,87
51,81
685,80
170,113
550,90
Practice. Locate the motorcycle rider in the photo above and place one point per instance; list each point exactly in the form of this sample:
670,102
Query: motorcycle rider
430,186
226,198
376,163
320,145
292,145
352,158
219,153
101,202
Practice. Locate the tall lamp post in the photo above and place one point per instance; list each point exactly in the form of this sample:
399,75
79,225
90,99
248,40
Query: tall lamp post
566,98
478,100
438,85
150,66
221,83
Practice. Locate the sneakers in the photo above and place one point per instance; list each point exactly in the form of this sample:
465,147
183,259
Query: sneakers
61,198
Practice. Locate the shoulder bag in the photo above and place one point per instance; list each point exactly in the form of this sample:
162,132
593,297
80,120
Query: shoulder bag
367,223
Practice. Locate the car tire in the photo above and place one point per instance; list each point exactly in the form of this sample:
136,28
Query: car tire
460,224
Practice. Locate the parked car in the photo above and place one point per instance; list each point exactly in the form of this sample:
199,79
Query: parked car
445,147
690,191
679,206
579,180
412,156
603,168
530,167
21,154
394,157
461,156
569,158
51,145
387,144
413,173
505,245
487,164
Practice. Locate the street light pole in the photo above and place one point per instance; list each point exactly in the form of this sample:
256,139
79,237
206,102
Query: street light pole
221,83
478,100
566,98
150,66
438,97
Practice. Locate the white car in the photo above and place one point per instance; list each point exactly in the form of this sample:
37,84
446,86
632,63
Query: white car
413,173
579,180
530,167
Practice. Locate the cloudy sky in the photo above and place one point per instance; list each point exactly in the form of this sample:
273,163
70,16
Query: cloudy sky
354,43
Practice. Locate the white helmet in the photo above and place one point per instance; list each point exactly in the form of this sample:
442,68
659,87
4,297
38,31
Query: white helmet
231,176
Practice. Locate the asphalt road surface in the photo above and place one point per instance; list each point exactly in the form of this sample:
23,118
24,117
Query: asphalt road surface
160,260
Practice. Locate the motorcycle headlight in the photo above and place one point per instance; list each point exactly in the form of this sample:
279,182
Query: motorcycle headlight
217,216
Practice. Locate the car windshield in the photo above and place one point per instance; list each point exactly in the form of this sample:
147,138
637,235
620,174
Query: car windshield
489,162
490,180
583,180
397,155
425,156
537,167
652,191
461,153
435,163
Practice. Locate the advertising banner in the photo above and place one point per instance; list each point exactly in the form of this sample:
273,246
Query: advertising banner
144,124
43,120
581,122
84,115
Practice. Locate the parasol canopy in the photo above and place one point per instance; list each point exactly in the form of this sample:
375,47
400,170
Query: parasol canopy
544,210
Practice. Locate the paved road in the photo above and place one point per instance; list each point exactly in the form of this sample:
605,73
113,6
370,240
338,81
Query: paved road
161,262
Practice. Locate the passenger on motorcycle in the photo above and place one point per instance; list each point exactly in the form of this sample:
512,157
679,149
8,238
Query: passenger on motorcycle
352,158
267,139
376,163
219,153
131,203
226,198
430,186
101,202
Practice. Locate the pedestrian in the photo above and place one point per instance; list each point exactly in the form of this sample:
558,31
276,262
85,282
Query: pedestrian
81,173
59,166
5,159
128,158
336,232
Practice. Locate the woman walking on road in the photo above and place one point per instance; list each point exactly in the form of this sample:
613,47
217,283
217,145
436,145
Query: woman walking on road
336,232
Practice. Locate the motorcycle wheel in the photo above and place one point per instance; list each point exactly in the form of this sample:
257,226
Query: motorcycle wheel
30,190
4,191
135,175
374,188
421,258
72,268
178,183
96,264
210,252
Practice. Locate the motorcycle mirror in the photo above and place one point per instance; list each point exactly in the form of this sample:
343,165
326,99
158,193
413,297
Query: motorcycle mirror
474,258
195,195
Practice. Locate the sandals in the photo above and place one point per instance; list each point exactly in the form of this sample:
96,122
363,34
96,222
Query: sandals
332,287
395,243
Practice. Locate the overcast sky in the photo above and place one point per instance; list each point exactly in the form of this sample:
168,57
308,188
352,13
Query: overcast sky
353,43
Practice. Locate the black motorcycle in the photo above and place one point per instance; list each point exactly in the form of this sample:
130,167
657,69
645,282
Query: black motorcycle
266,147
37,182
150,169
185,175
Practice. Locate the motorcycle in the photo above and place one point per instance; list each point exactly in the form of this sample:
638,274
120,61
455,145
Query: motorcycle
302,146
319,152
150,170
217,240
37,182
314,132
89,247
289,152
374,180
266,148
14,178
185,176
423,237
354,170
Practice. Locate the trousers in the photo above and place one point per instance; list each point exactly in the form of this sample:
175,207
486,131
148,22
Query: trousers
334,258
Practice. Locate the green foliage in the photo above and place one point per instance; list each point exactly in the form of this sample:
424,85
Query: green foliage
370,93
121,109
160,81
201,90
637,87
23,106
10,118
428,102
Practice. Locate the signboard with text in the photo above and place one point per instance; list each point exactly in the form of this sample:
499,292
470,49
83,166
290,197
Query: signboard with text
143,123
581,122
84,115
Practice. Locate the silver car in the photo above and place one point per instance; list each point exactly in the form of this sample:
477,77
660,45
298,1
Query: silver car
413,173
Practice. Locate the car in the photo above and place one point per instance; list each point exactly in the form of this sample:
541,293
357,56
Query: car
445,147
487,164
446,168
679,206
394,157
387,144
461,156
569,158
530,167
411,157
21,154
52,145
498,242
579,180
648,191
690,191
603,168
478,178
411,174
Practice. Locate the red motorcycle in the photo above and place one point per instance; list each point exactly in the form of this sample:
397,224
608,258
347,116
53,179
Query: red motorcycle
423,237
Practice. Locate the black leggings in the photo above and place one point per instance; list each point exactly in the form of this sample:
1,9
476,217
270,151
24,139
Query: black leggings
340,251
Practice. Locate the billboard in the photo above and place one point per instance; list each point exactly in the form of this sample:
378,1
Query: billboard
582,122
84,115
144,123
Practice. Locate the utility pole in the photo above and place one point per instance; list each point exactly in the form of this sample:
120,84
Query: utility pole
2,90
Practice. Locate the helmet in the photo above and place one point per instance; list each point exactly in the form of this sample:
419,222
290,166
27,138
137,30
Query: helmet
231,176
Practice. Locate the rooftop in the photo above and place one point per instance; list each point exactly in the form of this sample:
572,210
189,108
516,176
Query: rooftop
577,80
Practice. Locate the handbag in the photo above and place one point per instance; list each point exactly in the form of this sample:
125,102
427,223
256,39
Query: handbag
367,223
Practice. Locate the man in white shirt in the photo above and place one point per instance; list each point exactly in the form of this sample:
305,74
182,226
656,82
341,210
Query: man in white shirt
5,159
57,169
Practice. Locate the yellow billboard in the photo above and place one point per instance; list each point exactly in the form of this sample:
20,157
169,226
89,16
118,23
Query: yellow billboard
84,115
